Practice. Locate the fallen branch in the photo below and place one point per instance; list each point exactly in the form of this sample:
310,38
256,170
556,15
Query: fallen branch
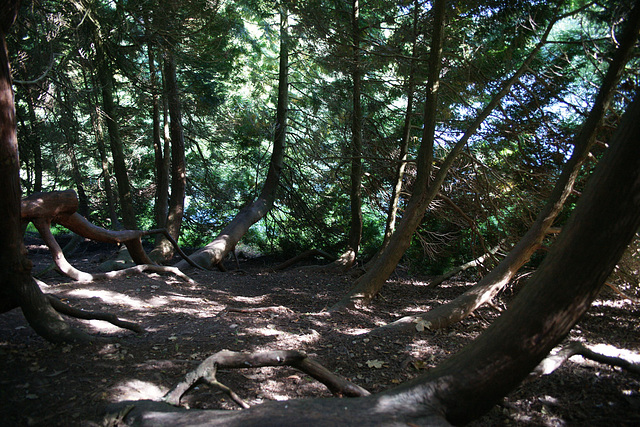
561,355
622,294
478,261
63,308
226,359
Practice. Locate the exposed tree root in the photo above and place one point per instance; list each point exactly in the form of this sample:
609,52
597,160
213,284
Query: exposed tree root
231,360
63,308
574,348
67,269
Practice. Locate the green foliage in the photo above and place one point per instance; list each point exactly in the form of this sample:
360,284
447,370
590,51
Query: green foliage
227,65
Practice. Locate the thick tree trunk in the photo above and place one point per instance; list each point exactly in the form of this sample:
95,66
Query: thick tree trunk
17,287
468,384
368,285
485,290
164,249
228,238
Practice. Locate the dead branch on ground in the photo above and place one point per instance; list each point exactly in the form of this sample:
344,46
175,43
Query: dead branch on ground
562,354
226,359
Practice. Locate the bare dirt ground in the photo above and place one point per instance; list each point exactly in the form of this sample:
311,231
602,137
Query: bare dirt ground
70,385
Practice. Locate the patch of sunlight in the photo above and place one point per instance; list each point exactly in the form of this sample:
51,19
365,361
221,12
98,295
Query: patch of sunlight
618,303
279,397
356,331
267,332
111,297
611,351
419,283
250,300
309,338
103,327
137,390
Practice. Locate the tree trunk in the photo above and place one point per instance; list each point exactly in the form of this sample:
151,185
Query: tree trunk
386,262
17,287
226,241
105,79
36,149
161,210
106,175
406,136
348,258
368,285
468,384
164,249
485,290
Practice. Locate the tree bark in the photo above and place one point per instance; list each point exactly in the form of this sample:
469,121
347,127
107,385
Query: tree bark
368,285
105,79
164,249
161,210
228,238
468,384
485,290
406,136
17,287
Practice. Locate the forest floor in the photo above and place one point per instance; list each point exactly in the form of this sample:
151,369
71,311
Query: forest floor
70,385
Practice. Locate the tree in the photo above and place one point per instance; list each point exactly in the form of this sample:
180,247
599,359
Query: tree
213,253
499,277
367,286
17,287
468,384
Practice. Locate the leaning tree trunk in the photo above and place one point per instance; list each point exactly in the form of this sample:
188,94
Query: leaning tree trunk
164,249
487,288
212,254
17,287
468,384
369,284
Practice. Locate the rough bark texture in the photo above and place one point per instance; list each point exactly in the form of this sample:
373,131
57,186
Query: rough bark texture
471,382
161,209
17,287
386,262
372,281
487,288
164,249
212,254
406,136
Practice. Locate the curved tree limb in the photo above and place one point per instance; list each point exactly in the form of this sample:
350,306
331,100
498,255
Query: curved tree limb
63,308
226,359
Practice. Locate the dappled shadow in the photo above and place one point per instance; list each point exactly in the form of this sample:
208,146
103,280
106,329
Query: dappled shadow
43,384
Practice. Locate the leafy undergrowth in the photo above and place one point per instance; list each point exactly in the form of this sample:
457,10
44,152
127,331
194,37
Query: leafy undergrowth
45,384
